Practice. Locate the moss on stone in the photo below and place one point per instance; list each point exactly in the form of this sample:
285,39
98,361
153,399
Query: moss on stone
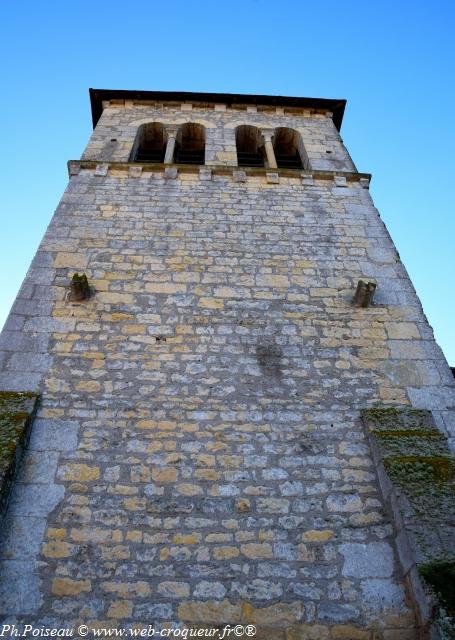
412,446
16,413
398,419
402,433
422,471
418,461
440,575
381,415
12,400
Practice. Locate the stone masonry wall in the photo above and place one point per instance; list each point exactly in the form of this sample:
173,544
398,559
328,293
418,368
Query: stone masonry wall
199,455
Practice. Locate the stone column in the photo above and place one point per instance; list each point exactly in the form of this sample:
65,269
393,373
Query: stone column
170,147
267,135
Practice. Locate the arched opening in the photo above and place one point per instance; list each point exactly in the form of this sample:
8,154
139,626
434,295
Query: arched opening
150,144
287,146
190,144
250,150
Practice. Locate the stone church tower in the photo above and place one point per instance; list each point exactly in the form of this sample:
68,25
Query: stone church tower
231,405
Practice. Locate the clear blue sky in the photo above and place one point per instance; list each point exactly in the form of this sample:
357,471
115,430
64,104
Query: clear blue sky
392,61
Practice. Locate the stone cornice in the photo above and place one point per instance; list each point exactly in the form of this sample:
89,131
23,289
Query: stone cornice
138,168
98,96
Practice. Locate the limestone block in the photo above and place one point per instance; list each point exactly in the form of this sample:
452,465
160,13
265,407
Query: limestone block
340,181
73,168
78,472
68,260
381,595
239,176
307,179
101,169
205,174
69,587
170,173
209,611
272,178
135,172
372,560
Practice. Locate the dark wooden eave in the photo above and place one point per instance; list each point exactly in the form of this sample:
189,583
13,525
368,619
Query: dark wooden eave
97,96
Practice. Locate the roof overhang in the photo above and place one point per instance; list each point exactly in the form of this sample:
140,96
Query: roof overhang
97,96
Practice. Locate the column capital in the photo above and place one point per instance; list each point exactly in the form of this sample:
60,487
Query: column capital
171,130
267,134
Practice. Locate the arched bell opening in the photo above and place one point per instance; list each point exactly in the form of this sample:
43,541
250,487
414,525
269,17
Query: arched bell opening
190,144
150,143
287,146
250,149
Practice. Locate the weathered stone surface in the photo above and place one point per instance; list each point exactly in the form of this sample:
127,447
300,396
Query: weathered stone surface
38,467
344,503
19,587
382,595
213,611
53,435
372,560
21,537
201,412
332,612
69,587
35,499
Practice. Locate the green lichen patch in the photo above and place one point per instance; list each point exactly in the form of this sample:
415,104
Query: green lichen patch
418,461
429,487
398,419
382,417
402,433
16,414
12,427
410,445
14,401
440,575
421,472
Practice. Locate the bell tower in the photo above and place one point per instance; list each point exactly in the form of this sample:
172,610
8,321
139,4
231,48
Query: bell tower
232,408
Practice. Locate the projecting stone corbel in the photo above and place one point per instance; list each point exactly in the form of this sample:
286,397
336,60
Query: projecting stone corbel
73,168
205,174
170,173
364,293
272,178
340,181
134,172
79,288
239,176
307,178
101,169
